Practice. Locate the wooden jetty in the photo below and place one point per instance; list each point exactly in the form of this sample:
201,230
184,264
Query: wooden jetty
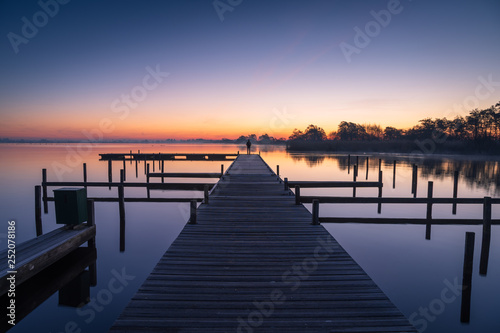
250,260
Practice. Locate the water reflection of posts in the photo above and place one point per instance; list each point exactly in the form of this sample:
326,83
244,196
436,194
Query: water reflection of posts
430,187
379,206
467,277
38,210
44,189
455,191
163,170
357,165
121,205
147,178
394,175
485,245
354,174
349,164
110,172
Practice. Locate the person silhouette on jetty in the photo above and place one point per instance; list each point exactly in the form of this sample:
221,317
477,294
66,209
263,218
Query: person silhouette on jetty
249,144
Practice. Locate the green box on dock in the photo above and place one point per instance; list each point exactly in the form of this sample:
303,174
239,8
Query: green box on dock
71,205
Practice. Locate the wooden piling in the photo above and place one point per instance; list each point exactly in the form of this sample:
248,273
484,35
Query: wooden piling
315,212
44,192
136,170
367,164
379,164
110,172
147,178
153,161
222,170
85,173
91,242
394,175
122,175
38,210
285,184
348,163
163,170
124,170
205,192
467,277
455,192
414,180
192,216
278,170
357,165
430,187
121,206
380,178
130,157
485,245
354,174
297,194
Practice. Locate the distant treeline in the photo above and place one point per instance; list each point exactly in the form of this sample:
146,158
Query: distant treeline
477,132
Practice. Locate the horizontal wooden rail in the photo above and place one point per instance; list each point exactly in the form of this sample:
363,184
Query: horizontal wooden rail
320,184
396,220
141,199
184,175
166,156
309,199
151,186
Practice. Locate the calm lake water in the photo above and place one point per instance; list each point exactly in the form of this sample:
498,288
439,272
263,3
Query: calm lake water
417,274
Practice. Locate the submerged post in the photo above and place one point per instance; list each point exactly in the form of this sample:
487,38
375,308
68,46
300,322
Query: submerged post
430,187
380,178
394,175
121,207
485,245
467,277
297,194
315,212
44,191
38,210
354,174
205,192
192,217
455,192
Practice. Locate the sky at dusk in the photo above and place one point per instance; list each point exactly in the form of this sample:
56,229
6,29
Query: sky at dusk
214,69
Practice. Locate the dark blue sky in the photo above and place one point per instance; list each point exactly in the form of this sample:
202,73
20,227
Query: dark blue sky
264,58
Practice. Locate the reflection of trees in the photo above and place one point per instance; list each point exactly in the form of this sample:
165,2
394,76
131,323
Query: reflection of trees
483,174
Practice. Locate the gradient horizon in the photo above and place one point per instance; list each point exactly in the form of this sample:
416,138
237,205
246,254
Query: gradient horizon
174,69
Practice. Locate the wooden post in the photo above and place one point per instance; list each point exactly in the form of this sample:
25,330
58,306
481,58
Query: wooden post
278,170
485,245
90,220
394,175
147,178
348,163
44,191
85,173
285,184
467,277
121,206
221,170
153,161
192,217
91,243
367,164
297,194
354,174
430,187
315,212
110,172
206,194
414,180
356,167
136,170
130,157
455,192
380,178
122,175
124,170
145,163
38,210
379,164
162,170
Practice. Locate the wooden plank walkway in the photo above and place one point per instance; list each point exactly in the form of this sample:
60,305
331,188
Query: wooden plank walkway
254,263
